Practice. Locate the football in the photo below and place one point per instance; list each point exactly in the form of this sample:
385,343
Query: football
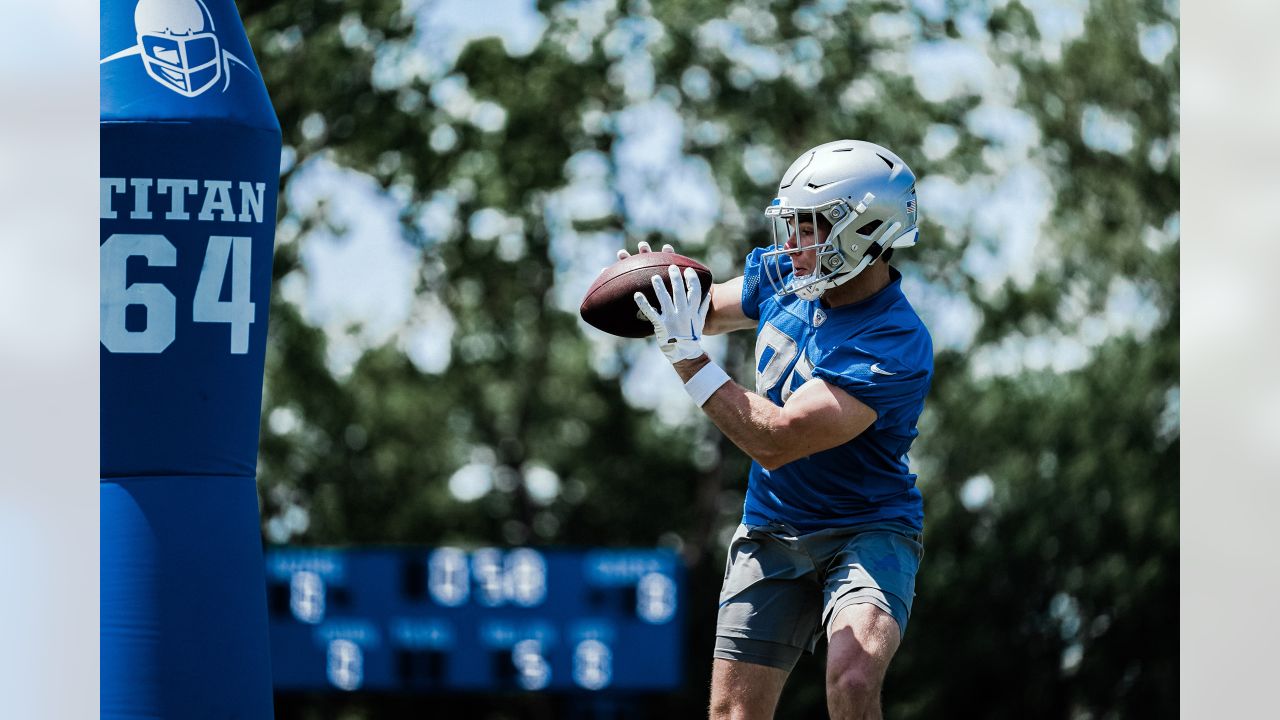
609,305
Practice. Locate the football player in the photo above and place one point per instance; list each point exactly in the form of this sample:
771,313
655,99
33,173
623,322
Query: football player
831,532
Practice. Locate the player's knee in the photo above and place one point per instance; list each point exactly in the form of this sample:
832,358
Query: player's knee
857,682
721,708
727,706
722,701
737,701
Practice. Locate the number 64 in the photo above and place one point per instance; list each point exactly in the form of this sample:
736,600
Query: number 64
117,294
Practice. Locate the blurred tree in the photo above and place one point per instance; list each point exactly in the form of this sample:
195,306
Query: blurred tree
1048,454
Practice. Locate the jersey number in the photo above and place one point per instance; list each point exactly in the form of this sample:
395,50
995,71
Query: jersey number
784,351
117,294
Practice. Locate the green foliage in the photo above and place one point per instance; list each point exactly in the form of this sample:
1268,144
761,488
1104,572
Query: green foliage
1057,597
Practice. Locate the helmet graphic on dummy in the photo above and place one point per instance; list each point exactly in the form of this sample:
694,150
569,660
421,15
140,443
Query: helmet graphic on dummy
177,44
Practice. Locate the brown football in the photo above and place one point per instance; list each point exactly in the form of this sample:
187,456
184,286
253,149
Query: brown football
609,305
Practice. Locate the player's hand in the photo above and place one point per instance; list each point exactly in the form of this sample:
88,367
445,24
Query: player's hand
683,312
643,247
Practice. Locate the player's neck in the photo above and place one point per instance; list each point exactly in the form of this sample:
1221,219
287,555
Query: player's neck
867,283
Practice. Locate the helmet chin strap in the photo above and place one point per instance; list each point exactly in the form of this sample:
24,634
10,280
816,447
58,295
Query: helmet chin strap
812,292
869,257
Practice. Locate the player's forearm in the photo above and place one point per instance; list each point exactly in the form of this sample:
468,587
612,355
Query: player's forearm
755,425
726,313
716,324
724,321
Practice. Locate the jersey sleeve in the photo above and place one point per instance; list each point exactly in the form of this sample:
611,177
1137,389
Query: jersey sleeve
889,383
755,286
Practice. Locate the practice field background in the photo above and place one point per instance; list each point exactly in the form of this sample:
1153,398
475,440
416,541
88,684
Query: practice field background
453,178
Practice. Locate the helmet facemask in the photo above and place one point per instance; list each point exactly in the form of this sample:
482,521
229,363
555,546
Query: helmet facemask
813,229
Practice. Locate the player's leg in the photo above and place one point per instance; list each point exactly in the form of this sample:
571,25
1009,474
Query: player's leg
868,589
770,613
860,643
744,691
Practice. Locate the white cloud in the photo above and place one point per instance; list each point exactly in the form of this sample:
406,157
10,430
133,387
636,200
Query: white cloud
662,189
1010,128
1155,42
1105,131
445,27
542,483
359,272
977,491
1059,22
934,11
939,140
1007,220
948,69
428,341
951,317
471,482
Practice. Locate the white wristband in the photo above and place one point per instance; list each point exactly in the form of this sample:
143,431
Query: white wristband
706,382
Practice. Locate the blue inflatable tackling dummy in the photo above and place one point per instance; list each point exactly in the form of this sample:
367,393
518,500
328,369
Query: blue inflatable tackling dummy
190,166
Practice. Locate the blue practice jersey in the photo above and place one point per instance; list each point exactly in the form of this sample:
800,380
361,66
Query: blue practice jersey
879,351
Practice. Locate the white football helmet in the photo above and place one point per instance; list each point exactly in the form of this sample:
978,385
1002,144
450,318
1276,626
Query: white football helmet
867,197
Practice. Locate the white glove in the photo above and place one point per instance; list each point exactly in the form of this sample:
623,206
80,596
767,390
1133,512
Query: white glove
678,326
643,247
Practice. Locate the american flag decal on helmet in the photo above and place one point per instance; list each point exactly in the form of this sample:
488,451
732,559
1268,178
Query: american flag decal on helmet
911,205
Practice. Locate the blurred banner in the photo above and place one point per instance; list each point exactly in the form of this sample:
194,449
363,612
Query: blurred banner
190,150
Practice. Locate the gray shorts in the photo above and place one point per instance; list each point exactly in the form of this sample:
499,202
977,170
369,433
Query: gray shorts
782,590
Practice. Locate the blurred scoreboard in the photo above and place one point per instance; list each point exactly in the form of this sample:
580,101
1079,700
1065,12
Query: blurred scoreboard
447,619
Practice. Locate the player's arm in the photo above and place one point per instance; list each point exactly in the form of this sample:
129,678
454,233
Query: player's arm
818,416
726,313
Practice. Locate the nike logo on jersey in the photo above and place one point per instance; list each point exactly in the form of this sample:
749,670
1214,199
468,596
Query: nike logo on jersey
875,368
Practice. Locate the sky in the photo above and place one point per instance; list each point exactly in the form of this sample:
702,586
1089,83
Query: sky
365,276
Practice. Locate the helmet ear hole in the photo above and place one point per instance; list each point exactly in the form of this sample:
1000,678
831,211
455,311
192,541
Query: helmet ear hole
869,228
